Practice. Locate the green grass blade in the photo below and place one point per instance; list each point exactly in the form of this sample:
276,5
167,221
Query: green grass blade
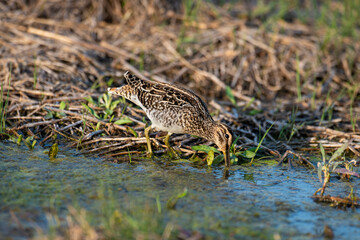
62,105
322,152
210,158
298,83
173,200
132,131
123,121
339,151
230,95
232,147
2,120
53,151
320,166
90,110
262,139
158,203
3,106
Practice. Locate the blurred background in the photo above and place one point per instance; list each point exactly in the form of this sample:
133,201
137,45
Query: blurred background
300,50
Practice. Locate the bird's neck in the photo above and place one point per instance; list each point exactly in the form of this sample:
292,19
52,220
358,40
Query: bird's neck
207,130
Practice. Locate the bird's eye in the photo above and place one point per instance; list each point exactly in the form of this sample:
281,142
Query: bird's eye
227,136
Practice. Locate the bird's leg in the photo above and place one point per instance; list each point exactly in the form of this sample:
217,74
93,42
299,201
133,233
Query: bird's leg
147,130
170,149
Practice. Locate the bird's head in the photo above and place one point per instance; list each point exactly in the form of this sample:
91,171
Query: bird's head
223,137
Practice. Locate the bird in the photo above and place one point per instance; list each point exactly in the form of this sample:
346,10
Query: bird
174,109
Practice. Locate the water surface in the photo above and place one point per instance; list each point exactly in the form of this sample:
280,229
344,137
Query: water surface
262,201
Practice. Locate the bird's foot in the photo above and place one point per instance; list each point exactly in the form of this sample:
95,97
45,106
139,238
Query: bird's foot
172,152
150,154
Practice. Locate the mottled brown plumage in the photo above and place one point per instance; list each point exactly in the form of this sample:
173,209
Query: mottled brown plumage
175,110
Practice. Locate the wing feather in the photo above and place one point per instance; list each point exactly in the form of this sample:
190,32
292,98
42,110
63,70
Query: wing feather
160,95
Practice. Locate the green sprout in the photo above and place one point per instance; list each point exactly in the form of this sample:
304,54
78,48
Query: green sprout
53,151
258,146
171,203
30,142
4,105
105,101
327,167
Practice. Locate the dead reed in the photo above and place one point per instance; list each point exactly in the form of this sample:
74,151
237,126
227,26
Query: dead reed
64,54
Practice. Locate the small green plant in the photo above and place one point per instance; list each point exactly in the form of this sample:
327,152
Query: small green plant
328,110
53,151
204,148
132,131
110,82
313,98
210,159
142,61
191,9
129,154
271,13
4,105
53,114
327,167
248,104
298,83
171,203
352,195
30,142
105,101
230,95
158,204
291,127
91,110
258,146
19,139
95,127
123,120
82,134
261,9
15,139
249,153
353,116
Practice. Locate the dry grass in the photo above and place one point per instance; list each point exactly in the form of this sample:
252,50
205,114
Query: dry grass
68,50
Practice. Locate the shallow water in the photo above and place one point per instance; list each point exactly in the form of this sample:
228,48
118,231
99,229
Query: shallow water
253,202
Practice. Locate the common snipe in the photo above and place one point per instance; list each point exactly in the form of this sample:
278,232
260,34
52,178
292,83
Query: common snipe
175,110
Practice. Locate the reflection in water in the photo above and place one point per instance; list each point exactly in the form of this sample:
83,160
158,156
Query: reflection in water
226,174
249,177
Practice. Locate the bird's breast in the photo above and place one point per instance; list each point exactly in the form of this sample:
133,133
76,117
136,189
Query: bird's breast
166,120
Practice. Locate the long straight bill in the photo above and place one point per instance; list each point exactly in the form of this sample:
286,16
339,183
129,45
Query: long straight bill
227,157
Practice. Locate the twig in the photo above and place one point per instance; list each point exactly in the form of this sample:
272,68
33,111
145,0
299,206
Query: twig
82,116
70,125
29,125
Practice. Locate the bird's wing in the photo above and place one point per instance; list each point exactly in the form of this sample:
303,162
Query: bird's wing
160,95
